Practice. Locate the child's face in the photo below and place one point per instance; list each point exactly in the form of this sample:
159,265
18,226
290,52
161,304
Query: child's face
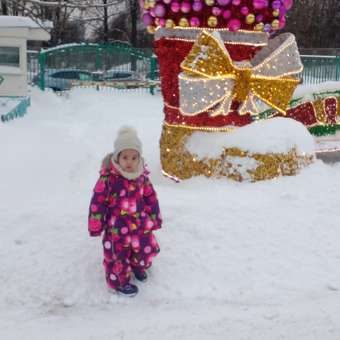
128,160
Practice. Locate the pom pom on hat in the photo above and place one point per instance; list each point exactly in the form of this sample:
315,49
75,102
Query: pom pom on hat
127,139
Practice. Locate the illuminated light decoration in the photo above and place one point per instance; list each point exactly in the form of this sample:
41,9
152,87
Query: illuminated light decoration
177,180
178,163
319,116
173,45
230,12
210,78
190,34
203,128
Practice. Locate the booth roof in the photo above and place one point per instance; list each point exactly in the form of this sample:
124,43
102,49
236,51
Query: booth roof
16,21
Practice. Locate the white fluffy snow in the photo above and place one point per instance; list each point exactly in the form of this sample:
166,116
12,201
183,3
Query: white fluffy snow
277,135
257,261
7,104
18,21
306,91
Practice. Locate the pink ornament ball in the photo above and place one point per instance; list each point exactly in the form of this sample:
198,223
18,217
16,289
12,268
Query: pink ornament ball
226,14
147,19
175,7
152,12
223,2
216,11
288,4
259,18
185,7
282,22
236,2
162,22
245,10
234,25
260,4
197,6
194,22
283,11
160,10
167,1
276,4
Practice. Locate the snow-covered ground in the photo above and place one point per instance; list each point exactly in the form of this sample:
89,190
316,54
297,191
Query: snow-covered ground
257,261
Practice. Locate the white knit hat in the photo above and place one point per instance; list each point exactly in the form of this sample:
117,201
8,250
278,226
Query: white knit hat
127,139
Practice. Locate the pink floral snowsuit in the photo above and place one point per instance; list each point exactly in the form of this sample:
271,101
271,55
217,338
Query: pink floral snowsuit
128,213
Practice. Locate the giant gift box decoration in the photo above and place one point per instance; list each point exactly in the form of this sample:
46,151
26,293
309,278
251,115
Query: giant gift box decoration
220,66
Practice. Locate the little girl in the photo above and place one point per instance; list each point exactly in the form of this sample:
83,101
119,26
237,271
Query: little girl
124,206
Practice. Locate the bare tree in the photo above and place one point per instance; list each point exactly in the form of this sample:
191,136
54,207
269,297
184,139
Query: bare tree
315,23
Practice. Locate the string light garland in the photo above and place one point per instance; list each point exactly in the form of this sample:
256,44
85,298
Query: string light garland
241,37
304,112
179,163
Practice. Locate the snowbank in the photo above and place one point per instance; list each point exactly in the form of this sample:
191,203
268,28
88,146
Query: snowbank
238,261
17,21
277,135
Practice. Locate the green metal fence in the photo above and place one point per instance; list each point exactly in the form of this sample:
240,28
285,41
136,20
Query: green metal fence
318,69
116,64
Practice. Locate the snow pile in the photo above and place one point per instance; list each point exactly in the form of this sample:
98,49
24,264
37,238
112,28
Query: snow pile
256,261
7,104
17,21
306,91
276,135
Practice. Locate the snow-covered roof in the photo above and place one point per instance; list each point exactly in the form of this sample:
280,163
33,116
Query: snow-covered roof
16,21
24,27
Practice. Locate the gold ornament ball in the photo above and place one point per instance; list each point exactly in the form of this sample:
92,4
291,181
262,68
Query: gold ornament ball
212,21
151,3
259,26
276,24
151,29
183,22
276,13
250,19
210,2
169,23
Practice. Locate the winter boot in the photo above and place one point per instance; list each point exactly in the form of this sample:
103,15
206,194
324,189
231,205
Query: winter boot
128,290
140,275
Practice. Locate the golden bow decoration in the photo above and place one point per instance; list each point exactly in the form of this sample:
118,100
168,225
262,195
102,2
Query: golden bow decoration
210,81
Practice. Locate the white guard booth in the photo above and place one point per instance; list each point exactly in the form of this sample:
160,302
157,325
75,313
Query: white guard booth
14,33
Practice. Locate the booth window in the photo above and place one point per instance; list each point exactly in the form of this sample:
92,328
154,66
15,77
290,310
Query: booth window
9,56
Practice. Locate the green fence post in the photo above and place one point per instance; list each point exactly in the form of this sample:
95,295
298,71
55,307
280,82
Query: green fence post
153,68
99,58
42,61
337,68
